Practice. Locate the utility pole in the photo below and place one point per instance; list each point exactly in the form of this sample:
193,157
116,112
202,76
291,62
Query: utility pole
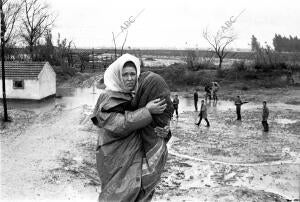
3,29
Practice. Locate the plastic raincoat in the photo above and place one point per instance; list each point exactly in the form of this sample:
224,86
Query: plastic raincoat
119,149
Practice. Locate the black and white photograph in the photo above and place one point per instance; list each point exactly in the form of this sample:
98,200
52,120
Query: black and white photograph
139,101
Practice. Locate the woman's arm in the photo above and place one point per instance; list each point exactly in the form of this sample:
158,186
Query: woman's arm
124,124
127,122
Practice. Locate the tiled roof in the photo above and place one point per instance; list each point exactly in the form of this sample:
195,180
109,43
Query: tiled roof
24,70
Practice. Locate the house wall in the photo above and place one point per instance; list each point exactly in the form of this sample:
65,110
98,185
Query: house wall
30,91
47,81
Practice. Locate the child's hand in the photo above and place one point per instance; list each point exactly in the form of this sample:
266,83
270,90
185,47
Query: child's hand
162,132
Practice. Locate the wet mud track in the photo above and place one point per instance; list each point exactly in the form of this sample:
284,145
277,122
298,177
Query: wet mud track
233,160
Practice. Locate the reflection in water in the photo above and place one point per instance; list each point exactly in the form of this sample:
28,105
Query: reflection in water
70,98
79,96
285,121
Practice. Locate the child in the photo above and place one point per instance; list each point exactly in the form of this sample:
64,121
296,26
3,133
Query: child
175,105
203,114
265,115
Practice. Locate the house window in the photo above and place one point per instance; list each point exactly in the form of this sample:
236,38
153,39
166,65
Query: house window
18,84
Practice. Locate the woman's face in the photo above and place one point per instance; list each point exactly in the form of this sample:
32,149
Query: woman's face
129,77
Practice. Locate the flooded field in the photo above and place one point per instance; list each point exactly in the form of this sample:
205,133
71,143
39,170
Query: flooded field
48,152
152,61
235,159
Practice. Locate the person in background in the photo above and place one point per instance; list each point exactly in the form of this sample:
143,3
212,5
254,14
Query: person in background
238,103
207,89
175,105
203,114
196,100
265,115
215,88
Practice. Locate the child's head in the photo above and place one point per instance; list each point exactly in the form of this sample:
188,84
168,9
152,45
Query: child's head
264,103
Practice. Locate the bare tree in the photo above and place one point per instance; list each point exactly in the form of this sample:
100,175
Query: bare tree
3,29
83,60
124,43
9,12
64,51
12,11
219,43
115,45
36,21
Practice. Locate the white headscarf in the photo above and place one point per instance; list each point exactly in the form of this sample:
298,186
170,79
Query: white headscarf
113,74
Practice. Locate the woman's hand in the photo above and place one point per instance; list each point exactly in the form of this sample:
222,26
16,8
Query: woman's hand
162,132
156,106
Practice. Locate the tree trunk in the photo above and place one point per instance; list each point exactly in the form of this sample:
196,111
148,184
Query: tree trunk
2,63
220,62
31,52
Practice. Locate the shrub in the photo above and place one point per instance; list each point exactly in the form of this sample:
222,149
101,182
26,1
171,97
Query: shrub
196,78
250,76
245,88
179,75
64,72
239,66
221,73
204,65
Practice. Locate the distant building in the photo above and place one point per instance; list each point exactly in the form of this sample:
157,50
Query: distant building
28,80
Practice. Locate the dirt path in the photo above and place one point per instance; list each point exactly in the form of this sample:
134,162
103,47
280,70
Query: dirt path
40,163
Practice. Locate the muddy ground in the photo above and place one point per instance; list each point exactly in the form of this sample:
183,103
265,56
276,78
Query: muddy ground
232,160
50,156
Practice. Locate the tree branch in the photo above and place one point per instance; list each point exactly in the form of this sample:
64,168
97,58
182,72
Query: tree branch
115,45
124,42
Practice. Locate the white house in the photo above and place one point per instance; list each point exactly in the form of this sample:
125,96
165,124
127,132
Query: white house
28,80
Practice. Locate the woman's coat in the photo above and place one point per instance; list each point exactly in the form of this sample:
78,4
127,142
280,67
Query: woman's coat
203,111
119,149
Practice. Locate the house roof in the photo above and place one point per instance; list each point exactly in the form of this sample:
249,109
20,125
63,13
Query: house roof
22,70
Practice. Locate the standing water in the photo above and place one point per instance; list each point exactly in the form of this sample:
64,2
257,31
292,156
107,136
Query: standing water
68,97
75,97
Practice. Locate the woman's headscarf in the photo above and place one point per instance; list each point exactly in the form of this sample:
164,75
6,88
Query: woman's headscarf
113,74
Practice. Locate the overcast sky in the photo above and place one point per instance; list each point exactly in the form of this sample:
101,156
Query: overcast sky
172,23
